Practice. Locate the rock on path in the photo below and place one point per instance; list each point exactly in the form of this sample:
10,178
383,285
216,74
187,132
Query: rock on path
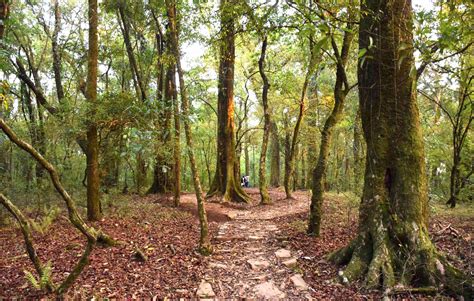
251,262
268,290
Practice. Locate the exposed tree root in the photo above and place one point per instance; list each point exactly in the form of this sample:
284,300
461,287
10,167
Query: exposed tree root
416,265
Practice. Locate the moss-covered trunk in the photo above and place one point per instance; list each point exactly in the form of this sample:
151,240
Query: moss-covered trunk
358,150
341,89
275,156
205,246
226,179
94,211
393,245
262,178
163,181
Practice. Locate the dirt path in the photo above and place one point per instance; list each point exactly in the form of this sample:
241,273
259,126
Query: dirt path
252,259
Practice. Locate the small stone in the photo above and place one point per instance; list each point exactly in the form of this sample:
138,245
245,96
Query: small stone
290,263
181,291
299,282
205,290
283,254
268,290
232,215
257,264
255,237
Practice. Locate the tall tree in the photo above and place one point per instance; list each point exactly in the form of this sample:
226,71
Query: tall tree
341,89
275,156
205,246
226,181
262,178
393,244
94,210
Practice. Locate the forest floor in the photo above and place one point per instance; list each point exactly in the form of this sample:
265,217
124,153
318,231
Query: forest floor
259,251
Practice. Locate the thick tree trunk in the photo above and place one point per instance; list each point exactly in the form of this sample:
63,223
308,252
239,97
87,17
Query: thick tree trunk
341,89
262,179
275,156
205,246
393,244
226,180
94,211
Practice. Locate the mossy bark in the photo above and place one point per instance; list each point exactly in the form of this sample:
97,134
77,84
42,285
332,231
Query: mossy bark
393,245
341,89
262,178
94,210
163,181
290,150
205,247
358,150
226,179
275,156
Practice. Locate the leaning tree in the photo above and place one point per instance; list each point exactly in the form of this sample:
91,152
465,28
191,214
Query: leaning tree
393,244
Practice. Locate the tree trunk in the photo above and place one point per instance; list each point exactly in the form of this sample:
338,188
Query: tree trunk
137,78
226,182
275,156
56,52
246,157
291,151
341,89
94,210
262,179
358,150
163,171
176,150
205,246
393,244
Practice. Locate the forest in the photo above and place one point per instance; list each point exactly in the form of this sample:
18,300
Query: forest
234,149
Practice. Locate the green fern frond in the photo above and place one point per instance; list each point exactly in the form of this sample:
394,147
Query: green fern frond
32,279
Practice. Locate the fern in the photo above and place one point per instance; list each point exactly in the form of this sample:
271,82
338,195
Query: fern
32,279
43,225
45,279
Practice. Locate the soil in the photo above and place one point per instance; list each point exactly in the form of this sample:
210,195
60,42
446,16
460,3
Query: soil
244,264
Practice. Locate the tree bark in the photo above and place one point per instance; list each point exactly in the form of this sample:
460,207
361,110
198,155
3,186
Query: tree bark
176,151
275,156
205,246
341,89
290,157
358,150
163,170
226,183
262,179
137,78
393,244
94,210
56,51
